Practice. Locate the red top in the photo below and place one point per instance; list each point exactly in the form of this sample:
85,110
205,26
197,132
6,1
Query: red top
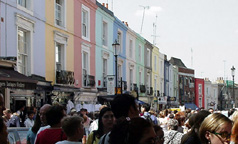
50,136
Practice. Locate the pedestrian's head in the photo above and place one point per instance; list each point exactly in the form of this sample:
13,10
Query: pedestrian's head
105,121
3,132
215,129
133,131
55,114
173,124
43,111
30,115
145,108
73,126
7,113
159,134
124,106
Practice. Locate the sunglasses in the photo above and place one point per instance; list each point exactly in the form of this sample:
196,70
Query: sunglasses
224,135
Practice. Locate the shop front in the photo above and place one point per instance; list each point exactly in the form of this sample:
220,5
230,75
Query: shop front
17,88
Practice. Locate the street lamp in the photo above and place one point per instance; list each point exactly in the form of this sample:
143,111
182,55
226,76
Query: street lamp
233,75
116,46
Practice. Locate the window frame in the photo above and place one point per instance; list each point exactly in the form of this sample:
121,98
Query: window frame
28,8
87,23
105,33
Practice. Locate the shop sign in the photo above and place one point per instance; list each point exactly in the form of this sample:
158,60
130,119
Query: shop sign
110,85
19,85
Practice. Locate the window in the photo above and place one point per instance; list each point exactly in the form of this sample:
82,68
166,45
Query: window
23,59
148,80
85,22
130,48
119,70
104,33
26,4
59,56
140,78
155,84
140,52
119,40
104,67
155,63
85,66
200,89
148,58
200,102
59,12
131,79
161,67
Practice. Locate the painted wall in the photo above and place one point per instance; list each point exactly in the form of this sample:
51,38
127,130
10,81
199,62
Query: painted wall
161,73
130,60
140,62
197,95
119,26
80,42
9,9
67,31
101,51
155,69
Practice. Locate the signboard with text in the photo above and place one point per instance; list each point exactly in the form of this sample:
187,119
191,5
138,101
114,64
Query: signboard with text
110,85
17,85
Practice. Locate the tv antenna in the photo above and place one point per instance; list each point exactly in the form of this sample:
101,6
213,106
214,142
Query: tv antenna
154,31
145,7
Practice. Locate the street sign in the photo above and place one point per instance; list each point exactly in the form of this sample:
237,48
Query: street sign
110,85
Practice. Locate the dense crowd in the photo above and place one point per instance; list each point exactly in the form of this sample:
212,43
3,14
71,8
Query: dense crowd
121,122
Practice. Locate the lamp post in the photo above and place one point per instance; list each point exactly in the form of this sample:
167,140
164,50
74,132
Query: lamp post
233,75
116,46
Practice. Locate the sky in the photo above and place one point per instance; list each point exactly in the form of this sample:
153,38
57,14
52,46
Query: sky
202,33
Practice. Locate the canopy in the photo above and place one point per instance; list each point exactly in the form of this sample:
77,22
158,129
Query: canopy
191,106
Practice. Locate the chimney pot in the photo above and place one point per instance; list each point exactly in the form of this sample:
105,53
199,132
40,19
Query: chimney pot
103,4
107,5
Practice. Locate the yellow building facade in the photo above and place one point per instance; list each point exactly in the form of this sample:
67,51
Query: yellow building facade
59,37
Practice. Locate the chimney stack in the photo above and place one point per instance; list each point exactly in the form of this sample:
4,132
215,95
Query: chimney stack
103,4
126,24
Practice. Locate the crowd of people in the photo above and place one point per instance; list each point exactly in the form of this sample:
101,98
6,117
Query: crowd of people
121,122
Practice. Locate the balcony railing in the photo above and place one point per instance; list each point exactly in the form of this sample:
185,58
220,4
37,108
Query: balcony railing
65,77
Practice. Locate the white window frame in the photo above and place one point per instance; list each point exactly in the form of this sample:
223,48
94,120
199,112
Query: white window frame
62,55
131,77
105,33
87,23
85,49
200,89
120,40
63,14
148,57
26,25
61,39
28,7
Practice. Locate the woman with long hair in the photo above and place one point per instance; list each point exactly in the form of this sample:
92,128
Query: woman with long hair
31,134
195,121
215,129
105,123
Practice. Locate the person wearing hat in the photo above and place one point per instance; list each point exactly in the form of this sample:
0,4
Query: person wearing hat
172,136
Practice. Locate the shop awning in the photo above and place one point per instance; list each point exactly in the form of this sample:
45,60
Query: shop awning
13,79
191,106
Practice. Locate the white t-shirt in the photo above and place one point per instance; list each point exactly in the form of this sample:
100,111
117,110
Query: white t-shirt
29,123
68,142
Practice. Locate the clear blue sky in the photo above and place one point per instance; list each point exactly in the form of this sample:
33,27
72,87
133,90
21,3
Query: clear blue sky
208,27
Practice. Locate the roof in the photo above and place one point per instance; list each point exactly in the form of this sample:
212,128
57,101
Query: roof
176,61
